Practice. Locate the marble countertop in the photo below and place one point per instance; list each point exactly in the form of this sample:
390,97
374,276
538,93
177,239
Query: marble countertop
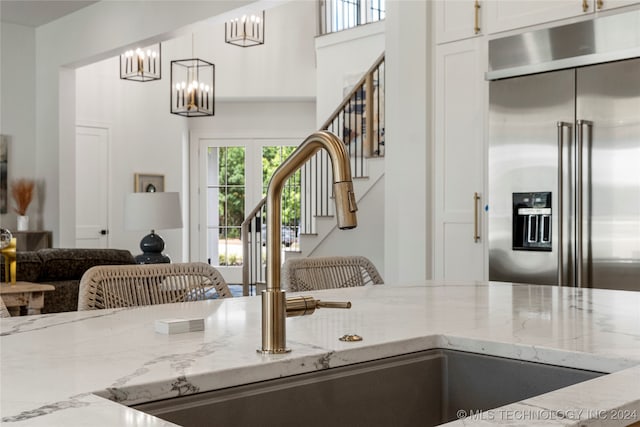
82,368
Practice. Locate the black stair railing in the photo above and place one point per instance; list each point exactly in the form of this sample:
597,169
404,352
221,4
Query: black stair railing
359,122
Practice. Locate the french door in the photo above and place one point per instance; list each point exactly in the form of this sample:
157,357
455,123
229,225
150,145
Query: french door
234,174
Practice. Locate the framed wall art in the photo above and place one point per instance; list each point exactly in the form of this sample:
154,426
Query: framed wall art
148,183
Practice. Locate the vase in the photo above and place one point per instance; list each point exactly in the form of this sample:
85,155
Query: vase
23,223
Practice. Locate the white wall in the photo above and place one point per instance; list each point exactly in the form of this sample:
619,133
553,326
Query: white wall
265,118
339,66
144,138
367,239
18,112
263,91
93,33
408,189
283,67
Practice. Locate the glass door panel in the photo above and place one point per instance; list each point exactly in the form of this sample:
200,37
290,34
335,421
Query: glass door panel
237,176
226,173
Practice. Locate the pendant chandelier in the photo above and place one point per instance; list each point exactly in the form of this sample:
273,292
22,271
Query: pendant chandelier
141,65
192,87
246,31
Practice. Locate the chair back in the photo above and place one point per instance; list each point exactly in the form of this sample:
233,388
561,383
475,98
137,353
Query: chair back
113,286
307,274
4,312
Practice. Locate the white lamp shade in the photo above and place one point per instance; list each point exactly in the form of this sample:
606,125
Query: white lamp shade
152,211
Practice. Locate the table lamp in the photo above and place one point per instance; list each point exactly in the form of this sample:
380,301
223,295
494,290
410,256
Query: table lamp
152,211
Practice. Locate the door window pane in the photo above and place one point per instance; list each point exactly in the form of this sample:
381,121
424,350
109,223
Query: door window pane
225,204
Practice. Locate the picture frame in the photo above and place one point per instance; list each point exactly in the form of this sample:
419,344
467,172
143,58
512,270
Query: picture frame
148,183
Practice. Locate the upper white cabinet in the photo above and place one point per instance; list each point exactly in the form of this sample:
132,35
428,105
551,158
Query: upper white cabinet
602,5
507,15
503,15
457,20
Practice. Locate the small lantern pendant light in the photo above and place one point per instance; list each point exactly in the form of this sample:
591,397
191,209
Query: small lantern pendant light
246,31
192,87
141,65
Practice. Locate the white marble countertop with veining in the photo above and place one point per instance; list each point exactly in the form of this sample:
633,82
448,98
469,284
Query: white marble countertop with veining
83,368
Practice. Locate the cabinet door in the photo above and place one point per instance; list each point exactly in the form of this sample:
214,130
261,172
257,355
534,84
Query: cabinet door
504,15
457,20
603,5
460,109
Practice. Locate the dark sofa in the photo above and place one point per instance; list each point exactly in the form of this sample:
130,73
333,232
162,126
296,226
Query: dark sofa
63,268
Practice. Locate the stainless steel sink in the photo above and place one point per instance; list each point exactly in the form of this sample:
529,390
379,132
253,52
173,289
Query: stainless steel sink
425,388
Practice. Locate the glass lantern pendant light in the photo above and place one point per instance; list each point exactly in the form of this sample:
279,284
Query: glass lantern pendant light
141,64
192,87
246,31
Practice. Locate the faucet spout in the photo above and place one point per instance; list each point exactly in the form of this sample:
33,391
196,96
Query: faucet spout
274,303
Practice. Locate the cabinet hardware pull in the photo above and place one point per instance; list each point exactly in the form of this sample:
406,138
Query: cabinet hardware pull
585,5
476,231
599,4
476,27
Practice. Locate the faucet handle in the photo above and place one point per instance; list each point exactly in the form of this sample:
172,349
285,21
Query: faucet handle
302,306
333,304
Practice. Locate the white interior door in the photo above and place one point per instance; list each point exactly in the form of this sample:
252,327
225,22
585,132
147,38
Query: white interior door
92,187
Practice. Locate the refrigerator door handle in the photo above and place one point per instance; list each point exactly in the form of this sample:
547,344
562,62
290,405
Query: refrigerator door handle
580,277
560,208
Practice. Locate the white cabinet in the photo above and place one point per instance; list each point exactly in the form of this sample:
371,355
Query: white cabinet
507,15
459,162
603,5
503,15
457,20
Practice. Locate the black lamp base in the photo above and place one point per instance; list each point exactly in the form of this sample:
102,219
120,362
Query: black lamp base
152,246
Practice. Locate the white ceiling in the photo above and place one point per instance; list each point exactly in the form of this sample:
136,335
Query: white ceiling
33,13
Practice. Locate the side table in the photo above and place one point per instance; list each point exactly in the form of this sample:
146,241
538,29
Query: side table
26,294
33,240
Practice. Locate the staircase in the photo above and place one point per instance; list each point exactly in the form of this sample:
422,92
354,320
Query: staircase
359,122
325,225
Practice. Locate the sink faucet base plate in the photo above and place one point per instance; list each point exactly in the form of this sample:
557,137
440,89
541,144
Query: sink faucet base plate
275,351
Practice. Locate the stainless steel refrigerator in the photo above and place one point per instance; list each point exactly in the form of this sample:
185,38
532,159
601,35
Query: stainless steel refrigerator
564,177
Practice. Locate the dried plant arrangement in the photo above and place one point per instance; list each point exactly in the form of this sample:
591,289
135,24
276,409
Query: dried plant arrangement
22,193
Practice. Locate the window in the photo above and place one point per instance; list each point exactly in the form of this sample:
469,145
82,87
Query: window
338,15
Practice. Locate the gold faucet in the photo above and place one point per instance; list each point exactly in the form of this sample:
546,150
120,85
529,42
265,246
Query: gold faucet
275,306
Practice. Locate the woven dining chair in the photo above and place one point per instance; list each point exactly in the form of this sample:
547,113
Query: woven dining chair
307,274
4,311
112,286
